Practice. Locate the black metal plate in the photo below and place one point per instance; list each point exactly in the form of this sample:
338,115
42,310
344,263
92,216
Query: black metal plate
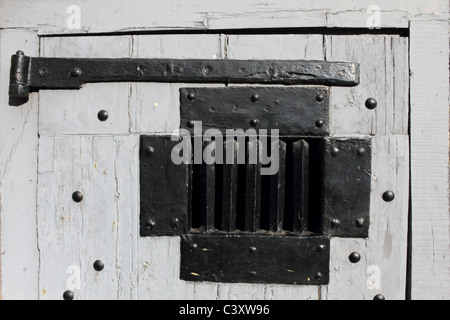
164,188
293,111
346,187
255,259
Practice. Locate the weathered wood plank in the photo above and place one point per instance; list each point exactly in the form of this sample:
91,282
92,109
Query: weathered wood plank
136,15
75,111
383,76
19,257
154,107
74,235
430,249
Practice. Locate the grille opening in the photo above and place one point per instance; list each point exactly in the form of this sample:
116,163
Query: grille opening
237,198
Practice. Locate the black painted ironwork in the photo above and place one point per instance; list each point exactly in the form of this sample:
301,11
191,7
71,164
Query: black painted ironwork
255,259
34,73
291,110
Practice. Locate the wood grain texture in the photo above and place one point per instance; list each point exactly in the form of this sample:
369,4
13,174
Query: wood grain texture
154,107
75,111
137,15
18,175
430,251
383,76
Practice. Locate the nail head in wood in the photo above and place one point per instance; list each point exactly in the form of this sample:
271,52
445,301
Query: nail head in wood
99,265
68,295
102,115
371,103
354,257
77,196
388,196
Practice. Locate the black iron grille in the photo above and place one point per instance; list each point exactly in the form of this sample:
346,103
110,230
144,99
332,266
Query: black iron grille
237,198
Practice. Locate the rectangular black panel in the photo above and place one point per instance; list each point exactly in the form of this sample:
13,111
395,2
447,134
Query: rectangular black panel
255,259
346,179
293,111
164,188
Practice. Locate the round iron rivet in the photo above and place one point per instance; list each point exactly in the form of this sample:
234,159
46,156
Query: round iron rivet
174,223
320,248
256,97
150,150
319,123
388,196
77,196
99,265
20,52
371,103
190,124
190,96
361,151
150,223
359,222
253,273
318,276
102,115
335,223
252,249
42,71
354,257
75,72
254,122
68,295
379,297
320,97
334,151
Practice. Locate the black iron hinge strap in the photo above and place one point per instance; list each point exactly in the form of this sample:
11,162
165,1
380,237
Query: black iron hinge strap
34,73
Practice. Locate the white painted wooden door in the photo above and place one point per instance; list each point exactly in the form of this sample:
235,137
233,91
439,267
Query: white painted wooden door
76,151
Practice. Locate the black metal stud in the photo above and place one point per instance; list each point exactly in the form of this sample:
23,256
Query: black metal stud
320,248
77,196
335,223
150,150
319,123
354,257
379,297
68,295
150,223
190,96
102,115
318,276
252,249
190,124
335,151
388,196
253,273
360,222
174,223
256,97
361,151
371,103
75,72
254,122
320,97
99,265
